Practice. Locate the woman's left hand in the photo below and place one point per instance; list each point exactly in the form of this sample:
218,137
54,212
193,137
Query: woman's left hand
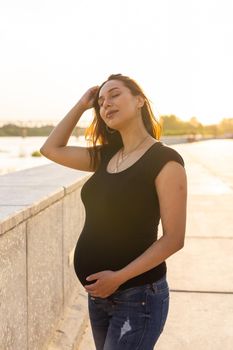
107,283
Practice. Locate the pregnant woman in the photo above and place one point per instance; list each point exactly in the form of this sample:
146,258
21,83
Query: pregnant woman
137,180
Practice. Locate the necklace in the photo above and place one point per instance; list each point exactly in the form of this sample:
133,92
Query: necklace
124,157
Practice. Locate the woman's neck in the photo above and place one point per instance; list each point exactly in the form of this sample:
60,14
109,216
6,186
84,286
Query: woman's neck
132,138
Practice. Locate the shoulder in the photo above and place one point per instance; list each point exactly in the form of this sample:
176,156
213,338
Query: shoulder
168,153
161,156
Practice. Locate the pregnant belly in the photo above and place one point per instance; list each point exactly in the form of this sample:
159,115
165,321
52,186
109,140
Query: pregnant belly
95,253
93,256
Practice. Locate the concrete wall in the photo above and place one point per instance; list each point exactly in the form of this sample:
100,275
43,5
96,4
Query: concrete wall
41,217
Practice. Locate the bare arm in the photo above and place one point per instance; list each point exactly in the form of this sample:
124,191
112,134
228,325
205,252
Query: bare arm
55,147
61,133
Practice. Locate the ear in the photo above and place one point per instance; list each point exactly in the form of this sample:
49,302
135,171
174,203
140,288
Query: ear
141,101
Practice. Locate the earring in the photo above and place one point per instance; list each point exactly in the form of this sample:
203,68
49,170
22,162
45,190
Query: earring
110,131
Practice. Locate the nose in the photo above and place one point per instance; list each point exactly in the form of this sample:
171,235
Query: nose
106,103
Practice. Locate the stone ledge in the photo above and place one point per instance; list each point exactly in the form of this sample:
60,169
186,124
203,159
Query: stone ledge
25,193
15,218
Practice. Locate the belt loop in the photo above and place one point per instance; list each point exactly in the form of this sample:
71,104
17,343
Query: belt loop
152,287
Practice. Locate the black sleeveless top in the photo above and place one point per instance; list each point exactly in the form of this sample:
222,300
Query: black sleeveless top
122,215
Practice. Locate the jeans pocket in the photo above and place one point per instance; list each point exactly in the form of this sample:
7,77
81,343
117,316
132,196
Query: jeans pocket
132,297
128,302
159,287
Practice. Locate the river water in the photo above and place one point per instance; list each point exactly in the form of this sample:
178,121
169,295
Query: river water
15,152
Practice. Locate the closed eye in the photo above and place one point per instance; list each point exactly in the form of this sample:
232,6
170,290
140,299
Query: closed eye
101,103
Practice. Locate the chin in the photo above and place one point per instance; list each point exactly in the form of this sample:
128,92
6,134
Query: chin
115,126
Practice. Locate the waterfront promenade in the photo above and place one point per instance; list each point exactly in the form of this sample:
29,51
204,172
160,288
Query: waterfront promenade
42,215
200,275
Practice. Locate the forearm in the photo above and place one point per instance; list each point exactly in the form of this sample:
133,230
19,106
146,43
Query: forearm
61,133
153,256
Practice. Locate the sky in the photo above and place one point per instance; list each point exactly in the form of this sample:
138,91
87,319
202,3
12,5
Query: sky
179,51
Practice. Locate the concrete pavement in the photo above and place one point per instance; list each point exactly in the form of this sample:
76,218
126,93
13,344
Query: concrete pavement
200,276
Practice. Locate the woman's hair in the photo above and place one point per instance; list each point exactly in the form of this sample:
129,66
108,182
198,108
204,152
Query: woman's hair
97,131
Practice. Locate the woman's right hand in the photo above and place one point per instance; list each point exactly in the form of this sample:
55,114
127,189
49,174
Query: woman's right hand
87,100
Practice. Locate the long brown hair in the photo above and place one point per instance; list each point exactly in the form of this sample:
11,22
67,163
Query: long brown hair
97,132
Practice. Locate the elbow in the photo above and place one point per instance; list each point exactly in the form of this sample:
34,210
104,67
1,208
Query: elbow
180,245
44,152
177,245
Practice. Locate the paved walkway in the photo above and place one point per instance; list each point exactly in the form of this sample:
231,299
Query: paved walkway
200,275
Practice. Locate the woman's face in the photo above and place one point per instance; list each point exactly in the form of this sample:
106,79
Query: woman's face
115,97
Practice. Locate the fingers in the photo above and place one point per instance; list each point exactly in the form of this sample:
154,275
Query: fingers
91,287
93,92
95,88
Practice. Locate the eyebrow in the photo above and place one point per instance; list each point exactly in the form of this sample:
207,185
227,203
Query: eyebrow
107,91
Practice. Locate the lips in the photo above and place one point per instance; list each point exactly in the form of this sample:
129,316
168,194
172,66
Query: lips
110,113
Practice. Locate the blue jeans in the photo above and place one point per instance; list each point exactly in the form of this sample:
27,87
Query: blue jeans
130,319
